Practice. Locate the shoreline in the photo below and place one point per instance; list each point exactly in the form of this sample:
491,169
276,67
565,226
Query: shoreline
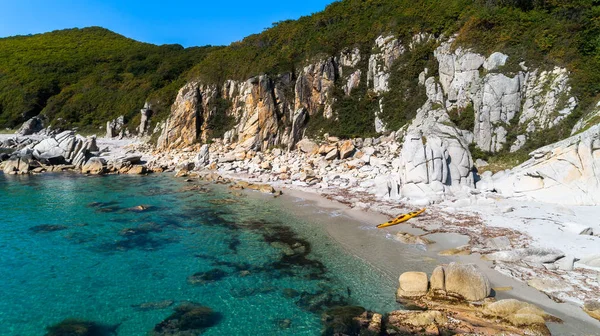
576,321
478,216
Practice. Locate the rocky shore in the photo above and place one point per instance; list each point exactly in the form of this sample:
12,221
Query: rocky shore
349,172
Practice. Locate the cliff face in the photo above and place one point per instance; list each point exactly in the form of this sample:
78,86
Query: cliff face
507,105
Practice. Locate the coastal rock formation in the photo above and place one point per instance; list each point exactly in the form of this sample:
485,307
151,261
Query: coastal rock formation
31,126
412,284
448,309
380,63
463,281
566,172
65,147
541,99
466,281
94,166
146,114
115,127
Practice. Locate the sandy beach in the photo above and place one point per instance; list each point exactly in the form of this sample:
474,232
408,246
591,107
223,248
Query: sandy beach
355,230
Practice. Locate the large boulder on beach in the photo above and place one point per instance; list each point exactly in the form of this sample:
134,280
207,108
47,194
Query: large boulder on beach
346,149
466,281
31,126
307,146
438,279
412,284
94,166
202,159
16,165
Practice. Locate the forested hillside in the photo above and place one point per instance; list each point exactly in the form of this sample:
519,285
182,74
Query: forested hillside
87,76
90,75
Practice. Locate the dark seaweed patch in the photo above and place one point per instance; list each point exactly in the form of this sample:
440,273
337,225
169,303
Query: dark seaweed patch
141,229
102,204
153,305
45,228
320,301
342,320
202,278
188,319
143,242
74,327
233,244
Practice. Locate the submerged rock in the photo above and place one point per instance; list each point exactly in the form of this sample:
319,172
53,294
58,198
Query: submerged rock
154,305
47,228
189,319
201,278
74,327
341,320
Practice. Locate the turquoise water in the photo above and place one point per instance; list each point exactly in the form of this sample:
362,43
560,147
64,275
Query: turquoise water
76,247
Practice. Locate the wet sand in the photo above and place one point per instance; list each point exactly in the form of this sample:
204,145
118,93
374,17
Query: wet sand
355,231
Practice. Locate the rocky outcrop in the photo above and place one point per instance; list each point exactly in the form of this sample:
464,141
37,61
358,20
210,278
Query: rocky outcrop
567,172
536,99
182,128
314,87
146,114
65,147
588,120
115,127
447,301
387,50
31,126
94,166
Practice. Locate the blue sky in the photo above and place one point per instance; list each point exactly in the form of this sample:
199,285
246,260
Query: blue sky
189,23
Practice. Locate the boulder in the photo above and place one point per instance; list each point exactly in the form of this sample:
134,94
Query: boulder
548,285
504,308
332,155
146,113
307,146
137,170
592,308
346,149
438,279
31,126
412,284
566,264
532,255
94,166
202,159
114,127
16,165
467,281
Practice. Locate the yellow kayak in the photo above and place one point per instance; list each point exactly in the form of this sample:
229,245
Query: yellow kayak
401,219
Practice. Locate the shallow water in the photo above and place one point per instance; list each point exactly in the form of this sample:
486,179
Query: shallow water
75,247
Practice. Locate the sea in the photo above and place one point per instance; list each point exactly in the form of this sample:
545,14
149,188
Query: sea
124,254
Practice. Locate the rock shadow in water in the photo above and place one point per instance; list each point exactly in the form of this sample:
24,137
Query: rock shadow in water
144,242
74,327
189,319
146,306
46,228
202,278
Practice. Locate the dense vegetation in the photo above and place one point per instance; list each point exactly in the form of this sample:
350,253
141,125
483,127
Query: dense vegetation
90,75
87,76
